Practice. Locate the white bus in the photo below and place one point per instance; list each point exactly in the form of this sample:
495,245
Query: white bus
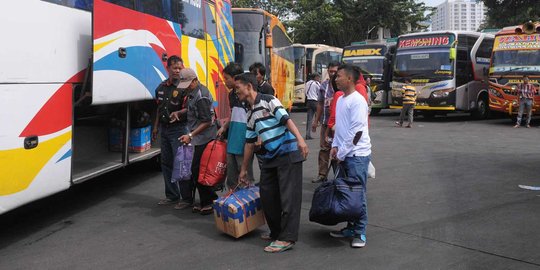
308,59
74,73
448,70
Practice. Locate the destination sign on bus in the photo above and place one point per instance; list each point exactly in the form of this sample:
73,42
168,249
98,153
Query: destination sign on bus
362,52
424,42
517,42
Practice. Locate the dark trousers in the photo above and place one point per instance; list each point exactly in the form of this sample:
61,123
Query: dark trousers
169,146
187,188
281,197
324,153
311,109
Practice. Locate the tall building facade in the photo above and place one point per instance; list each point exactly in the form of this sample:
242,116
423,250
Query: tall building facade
465,15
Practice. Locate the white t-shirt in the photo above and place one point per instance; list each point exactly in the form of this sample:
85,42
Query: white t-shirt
351,117
312,90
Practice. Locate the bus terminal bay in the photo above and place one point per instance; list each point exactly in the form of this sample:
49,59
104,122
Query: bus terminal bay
446,196
90,120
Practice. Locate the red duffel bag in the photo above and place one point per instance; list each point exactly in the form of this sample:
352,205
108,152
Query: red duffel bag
213,169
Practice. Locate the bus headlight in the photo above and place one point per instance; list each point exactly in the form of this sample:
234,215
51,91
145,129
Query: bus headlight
441,93
495,93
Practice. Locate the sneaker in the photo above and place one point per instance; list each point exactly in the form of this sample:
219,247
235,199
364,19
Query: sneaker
320,178
343,233
358,242
516,126
398,124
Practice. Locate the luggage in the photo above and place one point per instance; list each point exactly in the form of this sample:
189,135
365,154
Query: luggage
182,163
239,212
336,201
213,170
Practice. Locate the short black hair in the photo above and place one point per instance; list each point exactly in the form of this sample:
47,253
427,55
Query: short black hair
247,78
173,59
351,71
407,80
232,69
334,84
257,67
333,64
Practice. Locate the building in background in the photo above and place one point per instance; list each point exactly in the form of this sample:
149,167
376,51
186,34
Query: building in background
466,15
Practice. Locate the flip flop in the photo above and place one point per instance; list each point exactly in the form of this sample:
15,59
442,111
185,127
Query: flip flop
276,248
207,210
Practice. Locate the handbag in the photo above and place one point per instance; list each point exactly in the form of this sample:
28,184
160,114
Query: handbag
213,170
336,201
182,163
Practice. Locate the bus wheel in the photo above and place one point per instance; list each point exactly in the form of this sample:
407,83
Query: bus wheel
428,115
375,111
482,110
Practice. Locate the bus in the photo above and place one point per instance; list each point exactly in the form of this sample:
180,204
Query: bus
74,89
261,37
308,59
516,53
447,68
375,60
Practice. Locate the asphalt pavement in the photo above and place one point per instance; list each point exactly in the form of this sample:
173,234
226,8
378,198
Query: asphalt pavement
446,196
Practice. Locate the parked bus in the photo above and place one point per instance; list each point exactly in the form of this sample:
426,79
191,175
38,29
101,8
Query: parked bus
447,69
260,37
77,76
516,53
308,59
375,60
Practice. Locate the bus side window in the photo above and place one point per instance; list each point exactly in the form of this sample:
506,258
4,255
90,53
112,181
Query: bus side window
151,7
190,17
211,26
78,4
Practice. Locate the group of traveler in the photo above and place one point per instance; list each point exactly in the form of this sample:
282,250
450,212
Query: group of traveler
260,126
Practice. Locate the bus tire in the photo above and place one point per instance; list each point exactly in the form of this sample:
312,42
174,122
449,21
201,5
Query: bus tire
482,108
375,111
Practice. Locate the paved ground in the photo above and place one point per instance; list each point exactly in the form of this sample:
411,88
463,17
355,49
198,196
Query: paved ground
446,197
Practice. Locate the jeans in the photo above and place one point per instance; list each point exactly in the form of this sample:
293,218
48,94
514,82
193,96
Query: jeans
169,146
357,167
311,109
409,110
525,102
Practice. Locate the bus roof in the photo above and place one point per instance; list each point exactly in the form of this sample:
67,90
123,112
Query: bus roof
265,13
512,29
446,32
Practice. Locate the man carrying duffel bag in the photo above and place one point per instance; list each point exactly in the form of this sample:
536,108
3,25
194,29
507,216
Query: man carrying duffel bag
351,147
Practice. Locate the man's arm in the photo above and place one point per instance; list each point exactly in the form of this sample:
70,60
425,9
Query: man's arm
156,123
248,153
302,146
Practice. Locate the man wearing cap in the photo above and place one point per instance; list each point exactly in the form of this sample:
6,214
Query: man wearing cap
170,125
312,94
202,130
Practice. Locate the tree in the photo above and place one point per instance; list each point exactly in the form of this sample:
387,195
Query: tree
501,13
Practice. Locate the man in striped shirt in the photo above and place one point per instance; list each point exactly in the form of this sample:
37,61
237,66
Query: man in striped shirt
526,92
283,151
409,99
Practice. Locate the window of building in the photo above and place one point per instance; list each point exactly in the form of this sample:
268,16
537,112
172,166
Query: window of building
79,4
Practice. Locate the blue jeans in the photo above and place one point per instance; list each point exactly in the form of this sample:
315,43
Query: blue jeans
169,146
357,167
525,103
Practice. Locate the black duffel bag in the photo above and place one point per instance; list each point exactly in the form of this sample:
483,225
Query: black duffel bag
336,201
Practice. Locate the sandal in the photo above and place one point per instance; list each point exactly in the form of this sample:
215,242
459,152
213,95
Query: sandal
278,246
167,202
196,209
207,210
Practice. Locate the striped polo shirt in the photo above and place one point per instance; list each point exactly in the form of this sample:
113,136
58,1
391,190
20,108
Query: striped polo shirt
526,90
267,119
409,94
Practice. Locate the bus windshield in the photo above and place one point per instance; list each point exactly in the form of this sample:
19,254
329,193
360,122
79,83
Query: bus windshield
434,63
249,44
516,61
371,64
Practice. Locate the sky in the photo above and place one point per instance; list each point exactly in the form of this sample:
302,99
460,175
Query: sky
432,3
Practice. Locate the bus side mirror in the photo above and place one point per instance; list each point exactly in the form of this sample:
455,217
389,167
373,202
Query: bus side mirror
238,53
269,42
452,53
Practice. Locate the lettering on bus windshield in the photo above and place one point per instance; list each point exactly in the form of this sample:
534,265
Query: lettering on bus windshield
362,52
424,42
517,42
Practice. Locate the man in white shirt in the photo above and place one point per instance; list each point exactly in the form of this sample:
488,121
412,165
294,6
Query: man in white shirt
351,146
312,95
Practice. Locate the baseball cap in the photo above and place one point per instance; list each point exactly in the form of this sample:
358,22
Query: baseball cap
187,75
